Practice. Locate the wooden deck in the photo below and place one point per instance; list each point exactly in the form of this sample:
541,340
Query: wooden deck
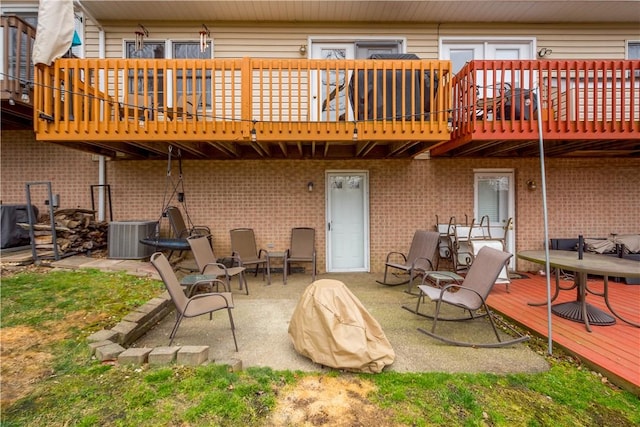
612,350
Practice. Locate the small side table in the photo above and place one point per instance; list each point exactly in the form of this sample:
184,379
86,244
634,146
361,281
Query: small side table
270,257
190,280
442,278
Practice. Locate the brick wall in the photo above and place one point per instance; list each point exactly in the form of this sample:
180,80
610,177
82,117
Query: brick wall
593,197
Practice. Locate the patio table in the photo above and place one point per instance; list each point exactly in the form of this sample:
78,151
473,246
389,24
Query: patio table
167,244
191,280
579,310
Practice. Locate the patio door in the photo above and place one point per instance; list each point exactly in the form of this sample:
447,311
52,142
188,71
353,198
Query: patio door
461,51
347,194
494,196
329,97
329,88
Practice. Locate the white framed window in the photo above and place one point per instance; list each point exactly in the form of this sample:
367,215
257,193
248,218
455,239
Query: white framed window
188,84
633,52
633,49
168,49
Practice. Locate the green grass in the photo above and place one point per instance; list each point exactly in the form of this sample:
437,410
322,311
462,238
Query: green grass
80,391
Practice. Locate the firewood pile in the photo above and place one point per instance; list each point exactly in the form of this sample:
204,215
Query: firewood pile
77,231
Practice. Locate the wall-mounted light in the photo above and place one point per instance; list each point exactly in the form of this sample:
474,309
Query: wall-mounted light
12,101
355,132
140,34
544,52
254,134
531,185
303,50
310,186
205,35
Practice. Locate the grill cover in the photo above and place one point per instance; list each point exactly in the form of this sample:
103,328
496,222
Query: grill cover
380,105
11,234
331,327
518,103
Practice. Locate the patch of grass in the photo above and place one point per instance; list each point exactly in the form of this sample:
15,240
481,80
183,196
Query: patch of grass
80,391
565,395
33,299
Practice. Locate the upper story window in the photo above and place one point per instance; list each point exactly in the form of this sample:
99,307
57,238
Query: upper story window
633,49
189,84
136,83
633,52
186,83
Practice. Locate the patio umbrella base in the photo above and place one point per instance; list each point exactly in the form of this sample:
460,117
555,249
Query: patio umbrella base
573,311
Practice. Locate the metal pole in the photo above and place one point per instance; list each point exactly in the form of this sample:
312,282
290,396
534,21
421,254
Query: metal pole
543,181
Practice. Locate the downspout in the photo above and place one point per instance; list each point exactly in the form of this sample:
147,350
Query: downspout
102,165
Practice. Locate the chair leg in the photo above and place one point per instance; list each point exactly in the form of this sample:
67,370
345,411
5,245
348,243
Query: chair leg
233,328
420,297
268,268
493,325
243,282
384,280
285,269
435,316
411,277
175,328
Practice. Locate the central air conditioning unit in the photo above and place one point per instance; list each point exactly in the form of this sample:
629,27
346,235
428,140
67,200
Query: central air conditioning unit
124,239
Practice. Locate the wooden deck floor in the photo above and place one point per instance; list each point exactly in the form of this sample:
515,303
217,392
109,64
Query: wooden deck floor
612,350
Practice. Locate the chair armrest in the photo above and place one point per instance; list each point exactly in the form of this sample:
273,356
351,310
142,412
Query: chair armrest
459,288
236,256
425,259
201,230
210,294
218,265
404,257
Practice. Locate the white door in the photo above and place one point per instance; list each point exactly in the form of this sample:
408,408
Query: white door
494,196
329,97
347,221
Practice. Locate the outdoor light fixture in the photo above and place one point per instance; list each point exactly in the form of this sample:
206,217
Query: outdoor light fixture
310,186
205,35
254,135
303,50
141,33
531,185
355,132
11,100
544,52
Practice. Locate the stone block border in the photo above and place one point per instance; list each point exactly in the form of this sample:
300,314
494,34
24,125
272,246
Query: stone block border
113,344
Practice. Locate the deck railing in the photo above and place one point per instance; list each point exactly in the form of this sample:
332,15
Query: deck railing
499,99
232,99
17,68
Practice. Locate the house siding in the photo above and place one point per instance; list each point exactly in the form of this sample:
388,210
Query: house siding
282,40
593,197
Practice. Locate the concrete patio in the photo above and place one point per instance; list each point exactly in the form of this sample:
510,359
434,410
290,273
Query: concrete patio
262,320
